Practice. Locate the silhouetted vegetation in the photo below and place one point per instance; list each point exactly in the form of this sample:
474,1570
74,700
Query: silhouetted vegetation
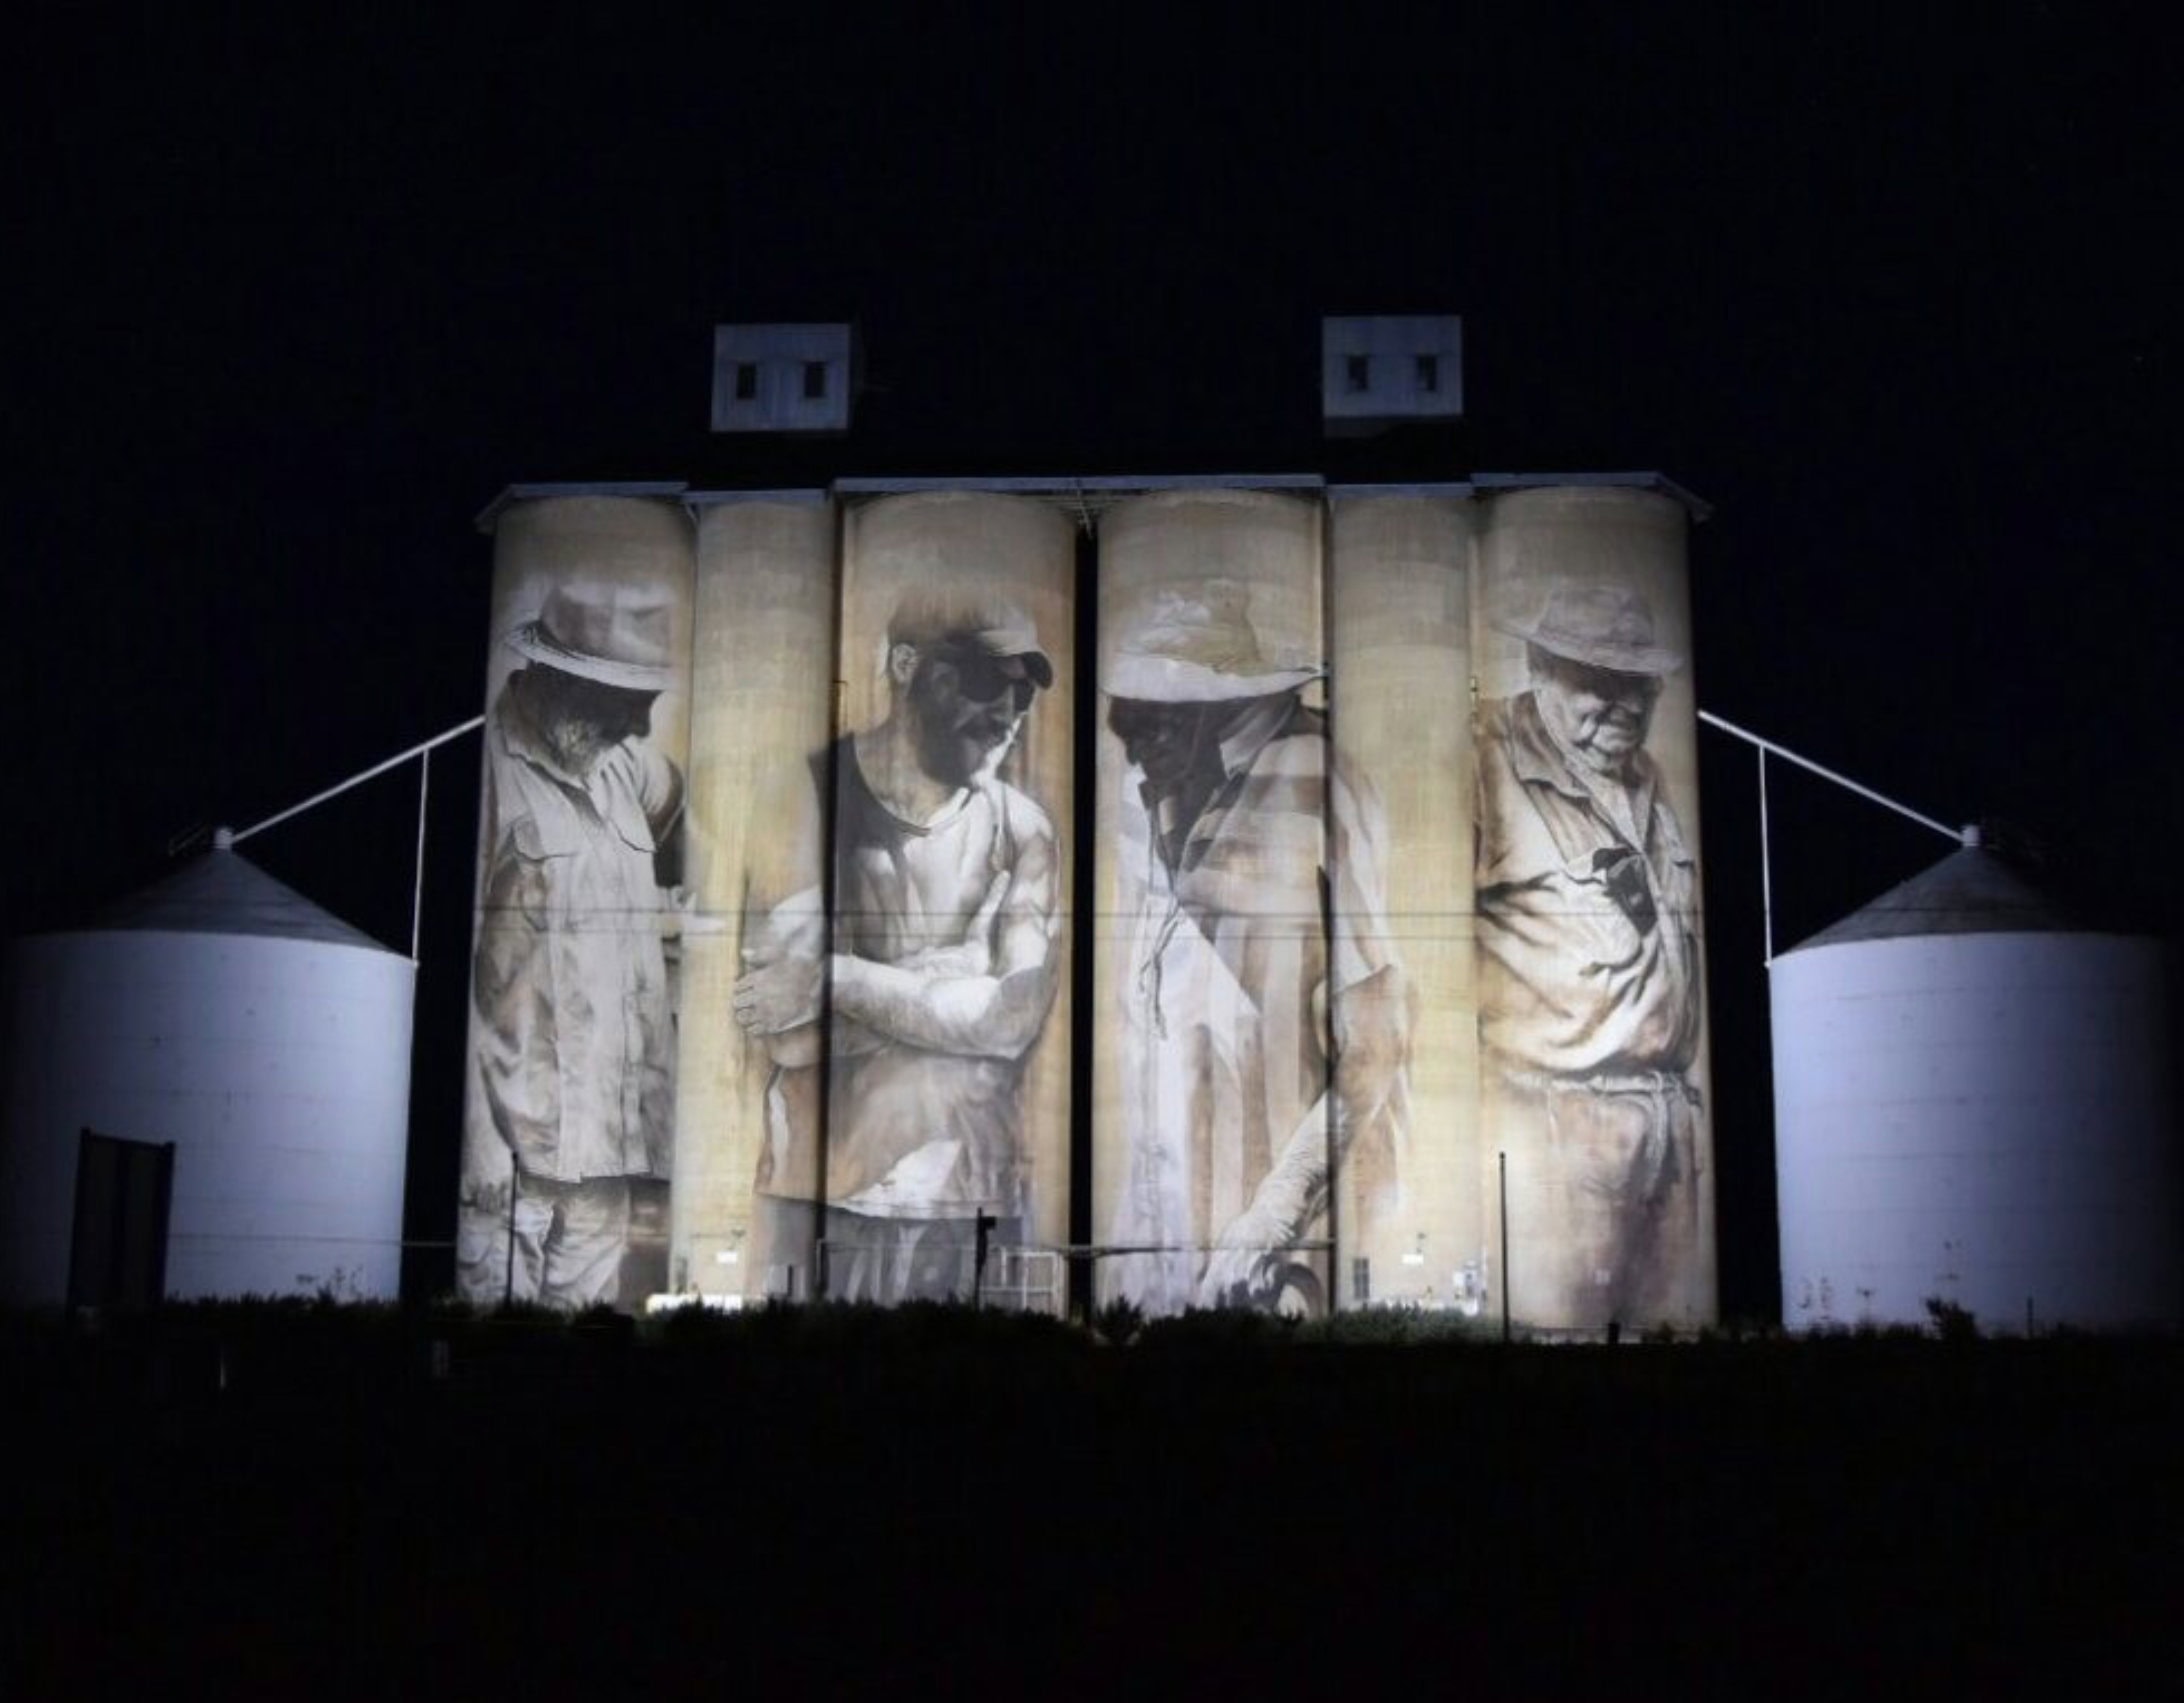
333,1498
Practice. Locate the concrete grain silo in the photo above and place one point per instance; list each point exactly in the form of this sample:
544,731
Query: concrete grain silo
1974,1103
268,1043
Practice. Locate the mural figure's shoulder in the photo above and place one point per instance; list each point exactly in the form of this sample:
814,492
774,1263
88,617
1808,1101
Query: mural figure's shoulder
1023,819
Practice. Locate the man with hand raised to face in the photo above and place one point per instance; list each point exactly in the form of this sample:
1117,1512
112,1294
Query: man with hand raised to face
572,1092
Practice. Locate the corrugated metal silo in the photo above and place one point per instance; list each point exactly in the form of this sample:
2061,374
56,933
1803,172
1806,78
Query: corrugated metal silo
267,1041
1974,1102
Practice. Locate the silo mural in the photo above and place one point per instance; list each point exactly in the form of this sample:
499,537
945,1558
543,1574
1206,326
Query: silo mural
1408,1225
1394,876
569,1121
1590,999
905,1002
1243,871
763,671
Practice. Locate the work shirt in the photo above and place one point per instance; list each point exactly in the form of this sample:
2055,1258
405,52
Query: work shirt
1587,897
1247,915
574,1036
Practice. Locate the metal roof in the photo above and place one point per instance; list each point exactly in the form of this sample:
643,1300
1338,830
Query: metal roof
223,892
1971,891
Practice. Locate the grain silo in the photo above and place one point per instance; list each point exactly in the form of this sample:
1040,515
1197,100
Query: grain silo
223,1016
1974,1104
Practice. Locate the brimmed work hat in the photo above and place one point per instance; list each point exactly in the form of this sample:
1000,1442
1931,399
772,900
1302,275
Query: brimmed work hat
1198,648
617,634
1602,626
929,618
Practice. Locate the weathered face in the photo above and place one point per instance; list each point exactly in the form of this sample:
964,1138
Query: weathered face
584,719
966,707
1601,715
1162,740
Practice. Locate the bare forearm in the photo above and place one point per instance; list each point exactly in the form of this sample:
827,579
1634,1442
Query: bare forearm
989,1016
1364,1077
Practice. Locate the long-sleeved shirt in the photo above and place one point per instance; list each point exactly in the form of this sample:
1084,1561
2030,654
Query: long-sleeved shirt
1265,994
573,1034
1587,902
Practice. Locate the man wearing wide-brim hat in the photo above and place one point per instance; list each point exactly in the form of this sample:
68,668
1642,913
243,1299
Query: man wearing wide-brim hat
572,1087
1261,928
1589,1005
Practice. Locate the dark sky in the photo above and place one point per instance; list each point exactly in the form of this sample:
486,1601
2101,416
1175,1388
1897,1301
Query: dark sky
296,291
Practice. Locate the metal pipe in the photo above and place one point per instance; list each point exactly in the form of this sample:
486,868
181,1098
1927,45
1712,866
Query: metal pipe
377,769
1766,868
1503,1159
424,793
1962,836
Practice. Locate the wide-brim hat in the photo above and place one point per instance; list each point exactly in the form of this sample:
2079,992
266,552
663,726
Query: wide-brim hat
1602,626
1199,648
616,634
931,619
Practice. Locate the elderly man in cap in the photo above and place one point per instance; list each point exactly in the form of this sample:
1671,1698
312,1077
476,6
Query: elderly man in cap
1589,982
572,1090
1268,1016
932,983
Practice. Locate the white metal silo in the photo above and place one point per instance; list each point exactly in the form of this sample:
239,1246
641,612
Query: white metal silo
1974,1102
269,1042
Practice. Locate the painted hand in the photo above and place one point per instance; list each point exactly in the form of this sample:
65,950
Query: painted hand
1244,1268
780,994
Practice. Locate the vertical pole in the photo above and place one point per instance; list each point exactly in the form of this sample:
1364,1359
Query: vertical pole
821,1285
1335,1135
417,893
508,1283
1502,1159
1766,872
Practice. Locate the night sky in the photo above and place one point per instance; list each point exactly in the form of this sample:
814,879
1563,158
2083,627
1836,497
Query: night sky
296,292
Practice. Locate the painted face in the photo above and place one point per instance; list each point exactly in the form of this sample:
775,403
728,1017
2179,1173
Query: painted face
1597,713
968,706
1161,740
585,719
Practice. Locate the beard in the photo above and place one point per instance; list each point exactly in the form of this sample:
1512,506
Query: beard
578,745
957,742
966,747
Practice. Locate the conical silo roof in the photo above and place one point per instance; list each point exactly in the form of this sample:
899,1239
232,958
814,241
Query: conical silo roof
222,892
1971,891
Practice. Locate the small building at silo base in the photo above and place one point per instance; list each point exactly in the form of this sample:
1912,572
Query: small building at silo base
1974,1103
221,1014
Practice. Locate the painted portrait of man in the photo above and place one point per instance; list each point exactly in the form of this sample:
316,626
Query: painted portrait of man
1267,1018
1590,993
571,1103
896,1006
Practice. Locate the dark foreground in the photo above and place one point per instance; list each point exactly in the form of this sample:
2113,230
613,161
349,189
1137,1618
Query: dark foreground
308,1502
